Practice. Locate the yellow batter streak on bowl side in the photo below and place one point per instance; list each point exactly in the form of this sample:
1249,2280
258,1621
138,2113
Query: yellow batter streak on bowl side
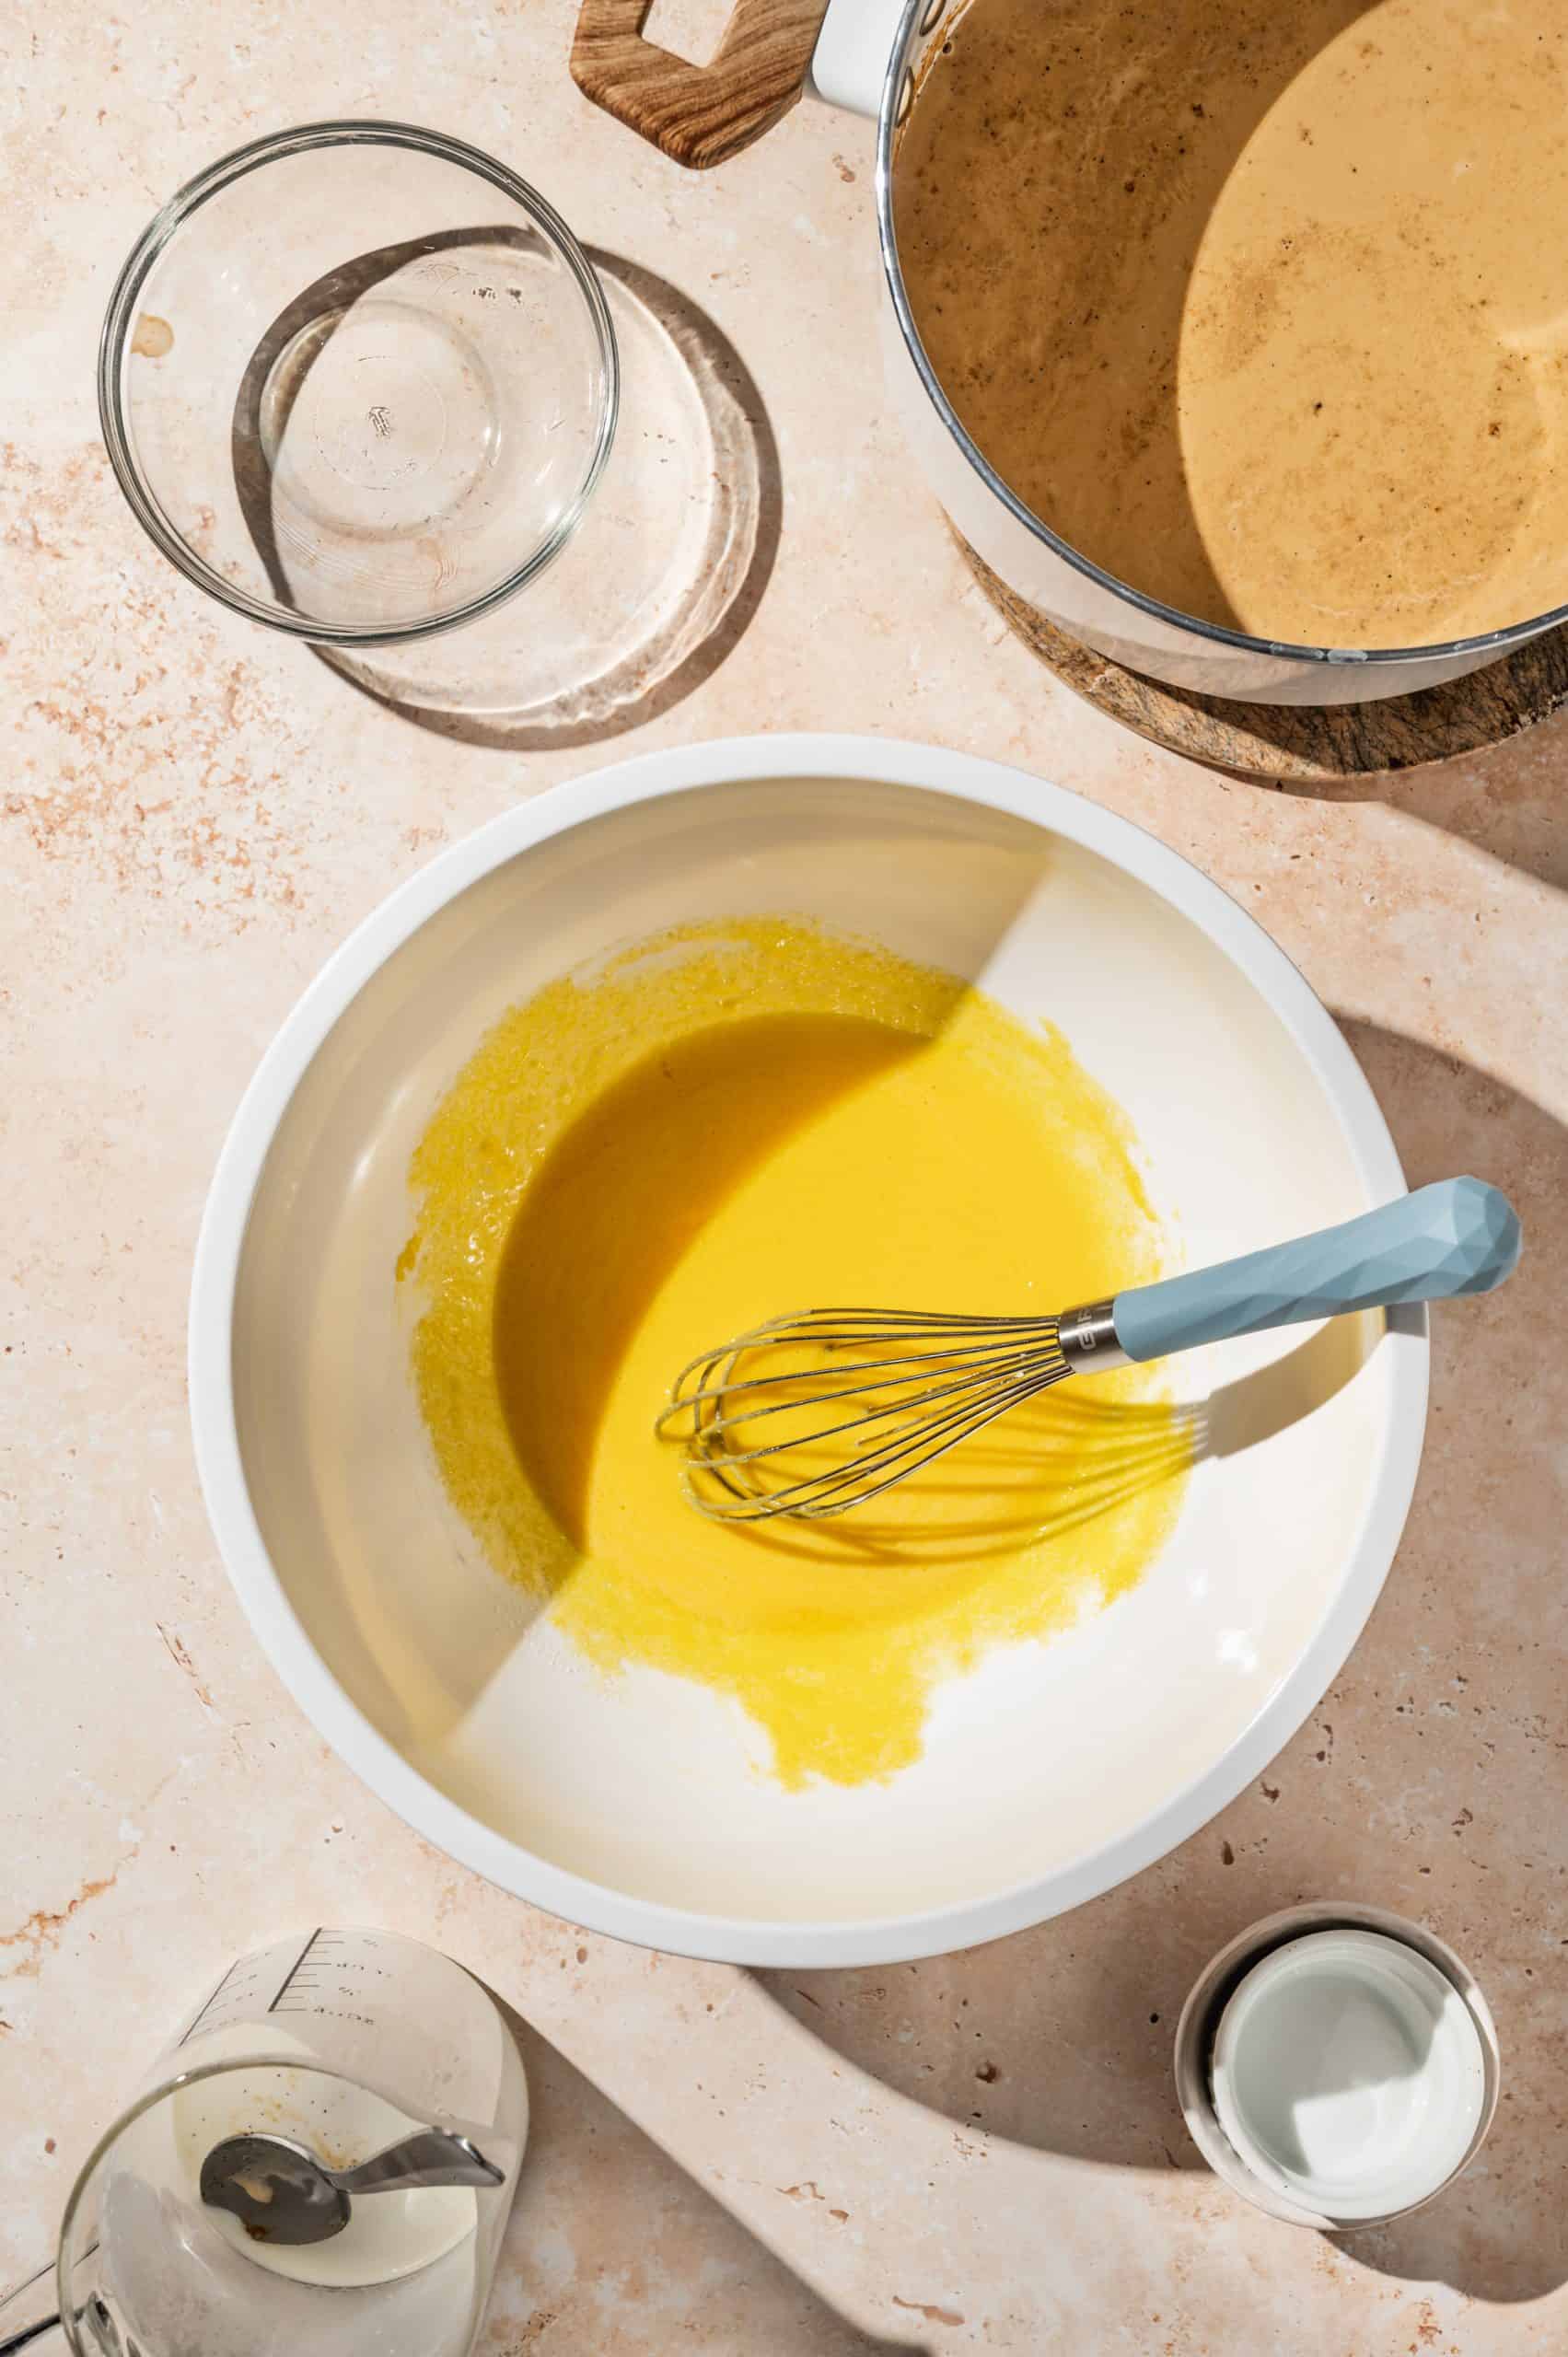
727,1122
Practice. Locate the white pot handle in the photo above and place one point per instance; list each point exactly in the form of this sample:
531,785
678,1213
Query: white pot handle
849,64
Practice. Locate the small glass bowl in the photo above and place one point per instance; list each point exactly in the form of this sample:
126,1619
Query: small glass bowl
358,382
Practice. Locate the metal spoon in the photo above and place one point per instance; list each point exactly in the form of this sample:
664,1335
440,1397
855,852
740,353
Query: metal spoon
282,2193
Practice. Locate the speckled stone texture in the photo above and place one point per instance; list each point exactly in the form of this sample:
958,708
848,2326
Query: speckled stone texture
978,2152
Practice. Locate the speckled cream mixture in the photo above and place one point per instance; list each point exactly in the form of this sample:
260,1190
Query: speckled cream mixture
720,1124
1263,308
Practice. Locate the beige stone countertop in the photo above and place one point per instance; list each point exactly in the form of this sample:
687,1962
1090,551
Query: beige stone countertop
981,2152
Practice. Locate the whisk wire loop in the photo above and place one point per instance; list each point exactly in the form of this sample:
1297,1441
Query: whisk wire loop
909,1405
922,1381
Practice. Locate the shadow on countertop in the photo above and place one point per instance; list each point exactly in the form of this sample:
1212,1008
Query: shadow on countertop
664,646
656,2245
1505,800
1429,1781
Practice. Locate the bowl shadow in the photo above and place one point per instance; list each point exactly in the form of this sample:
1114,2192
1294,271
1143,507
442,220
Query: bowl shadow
1427,1781
633,641
623,1195
657,639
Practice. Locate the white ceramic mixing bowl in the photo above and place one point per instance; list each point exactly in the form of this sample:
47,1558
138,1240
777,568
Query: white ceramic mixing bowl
636,1804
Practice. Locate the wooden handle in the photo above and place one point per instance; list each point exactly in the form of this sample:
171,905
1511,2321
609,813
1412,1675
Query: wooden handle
698,114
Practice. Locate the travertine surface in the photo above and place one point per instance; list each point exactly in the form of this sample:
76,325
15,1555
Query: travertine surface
981,2152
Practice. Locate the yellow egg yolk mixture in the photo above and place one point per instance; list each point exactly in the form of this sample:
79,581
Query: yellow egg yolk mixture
729,1122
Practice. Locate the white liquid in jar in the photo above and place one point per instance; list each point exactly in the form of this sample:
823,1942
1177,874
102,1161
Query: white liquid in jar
1348,2073
387,2235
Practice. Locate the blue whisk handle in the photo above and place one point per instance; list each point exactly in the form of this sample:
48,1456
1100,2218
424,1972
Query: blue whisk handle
1458,1236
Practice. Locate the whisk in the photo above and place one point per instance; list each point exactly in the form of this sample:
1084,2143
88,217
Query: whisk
814,1414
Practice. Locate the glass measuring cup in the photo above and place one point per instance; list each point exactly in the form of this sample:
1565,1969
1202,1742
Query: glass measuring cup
358,382
344,2040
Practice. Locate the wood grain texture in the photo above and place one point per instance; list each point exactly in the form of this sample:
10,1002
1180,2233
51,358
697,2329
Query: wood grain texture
697,114
1301,745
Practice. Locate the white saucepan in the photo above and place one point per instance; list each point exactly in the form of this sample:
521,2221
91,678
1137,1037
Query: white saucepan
632,1804
867,57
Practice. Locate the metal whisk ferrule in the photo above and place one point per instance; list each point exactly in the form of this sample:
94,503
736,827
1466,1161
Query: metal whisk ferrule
1087,1339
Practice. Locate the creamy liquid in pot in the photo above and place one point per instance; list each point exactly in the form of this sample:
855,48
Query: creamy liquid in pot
1264,309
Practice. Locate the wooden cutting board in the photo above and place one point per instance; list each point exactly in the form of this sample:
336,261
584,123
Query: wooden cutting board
1302,744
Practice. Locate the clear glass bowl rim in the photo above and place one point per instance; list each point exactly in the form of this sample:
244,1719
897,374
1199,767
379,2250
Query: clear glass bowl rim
159,236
